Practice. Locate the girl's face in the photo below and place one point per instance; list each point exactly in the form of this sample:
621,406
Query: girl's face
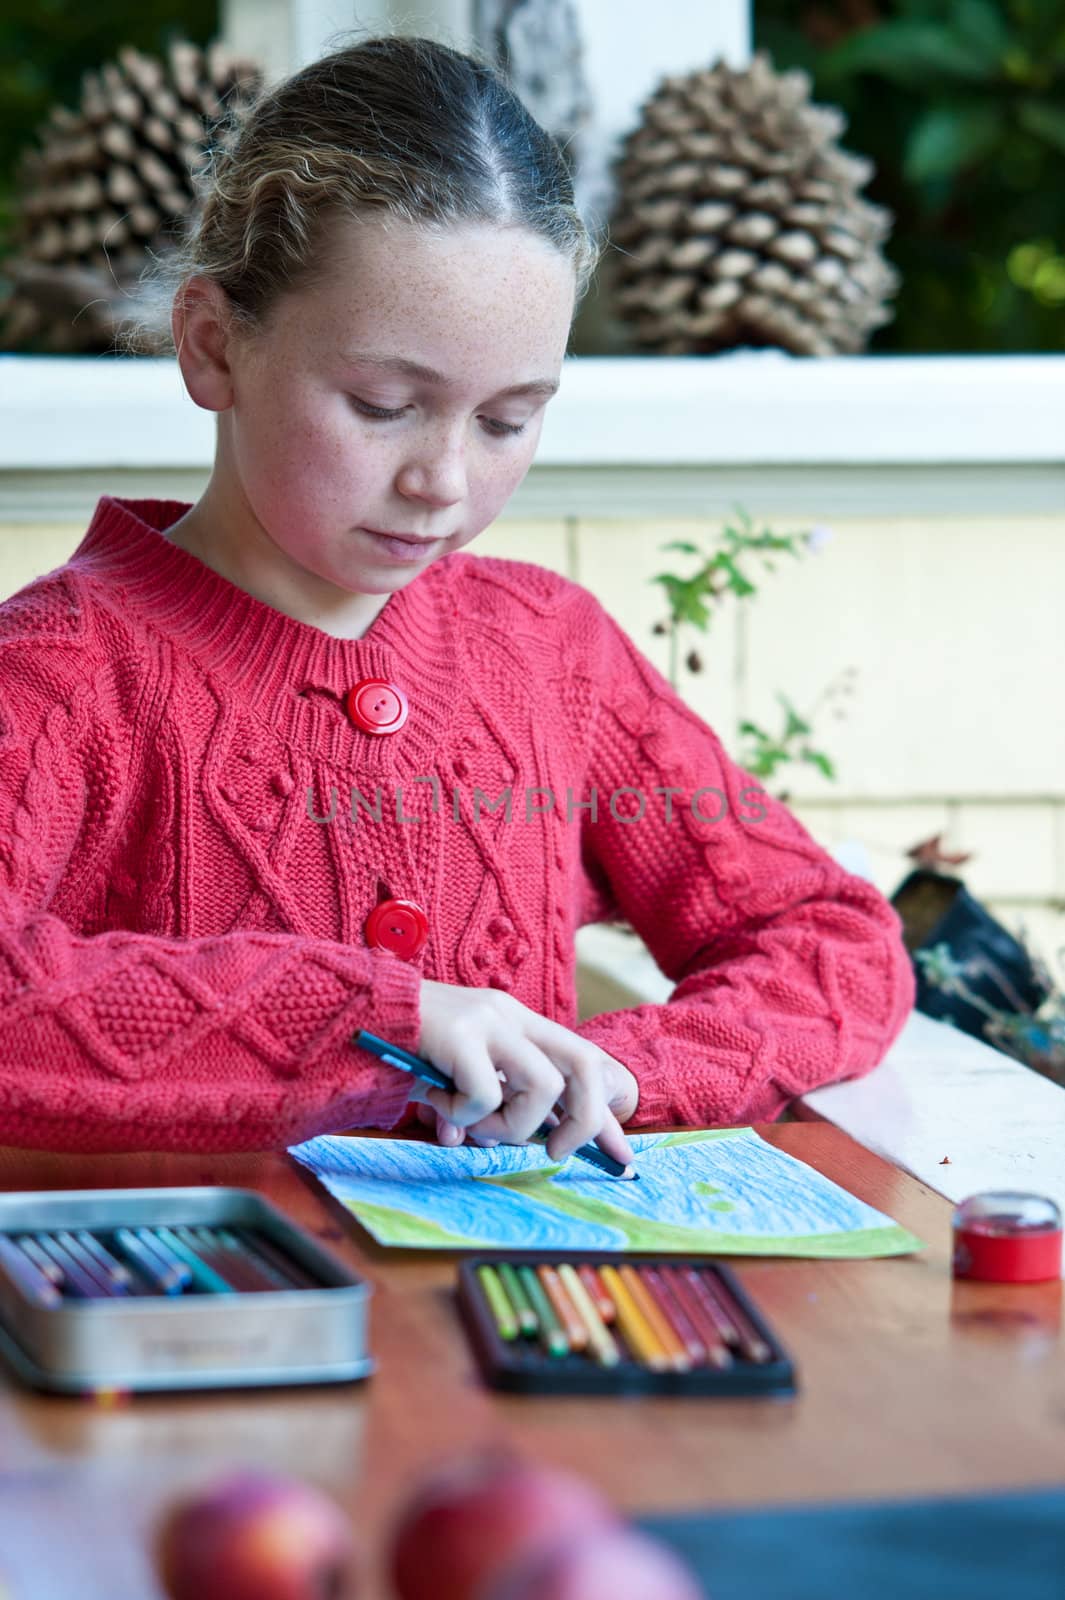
305,466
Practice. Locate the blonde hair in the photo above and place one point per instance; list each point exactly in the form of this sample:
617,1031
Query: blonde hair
392,127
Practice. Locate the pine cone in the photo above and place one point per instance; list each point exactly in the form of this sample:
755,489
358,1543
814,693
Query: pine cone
739,220
106,182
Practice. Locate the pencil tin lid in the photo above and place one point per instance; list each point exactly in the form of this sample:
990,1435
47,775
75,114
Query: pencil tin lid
1007,1236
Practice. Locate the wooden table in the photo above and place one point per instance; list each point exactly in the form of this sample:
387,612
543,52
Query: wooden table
910,1383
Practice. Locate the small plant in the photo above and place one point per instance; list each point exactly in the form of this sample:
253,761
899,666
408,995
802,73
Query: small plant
766,752
692,601
1034,1036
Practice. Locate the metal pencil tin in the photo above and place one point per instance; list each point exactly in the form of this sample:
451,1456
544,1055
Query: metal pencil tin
194,1341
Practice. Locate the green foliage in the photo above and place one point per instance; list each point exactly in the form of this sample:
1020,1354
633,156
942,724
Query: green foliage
47,45
718,574
767,751
692,601
961,106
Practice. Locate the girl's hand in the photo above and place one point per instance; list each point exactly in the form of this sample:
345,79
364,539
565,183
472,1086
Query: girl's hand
511,1067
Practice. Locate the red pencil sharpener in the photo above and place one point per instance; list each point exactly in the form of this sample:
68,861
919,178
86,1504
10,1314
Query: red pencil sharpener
1007,1237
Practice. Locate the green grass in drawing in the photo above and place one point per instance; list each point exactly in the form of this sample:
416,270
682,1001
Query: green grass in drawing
394,1226
711,1191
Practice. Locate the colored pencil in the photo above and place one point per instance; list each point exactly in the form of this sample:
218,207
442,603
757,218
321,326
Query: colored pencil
713,1310
26,1275
166,1258
601,1341
636,1284
717,1351
41,1259
88,1262
203,1276
676,1315
78,1281
633,1325
498,1303
111,1265
518,1298
592,1154
299,1277
232,1265
600,1299
707,1287
166,1279
270,1274
395,1056
751,1343
551,1332
564,1309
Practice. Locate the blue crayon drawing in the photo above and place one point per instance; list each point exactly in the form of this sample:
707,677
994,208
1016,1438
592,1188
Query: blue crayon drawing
712,1191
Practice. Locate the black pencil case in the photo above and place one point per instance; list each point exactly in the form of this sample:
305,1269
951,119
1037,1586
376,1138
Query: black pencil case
520,1366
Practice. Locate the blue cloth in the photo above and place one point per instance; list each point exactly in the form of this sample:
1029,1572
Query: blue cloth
1003,1546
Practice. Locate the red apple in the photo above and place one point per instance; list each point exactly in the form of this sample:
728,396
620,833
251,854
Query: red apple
257,1536
621,1563
472,1521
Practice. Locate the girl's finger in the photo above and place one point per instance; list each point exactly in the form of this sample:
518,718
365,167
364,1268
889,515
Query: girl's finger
447,1133
533,1084
478,1090
613,1140
558,1042
585,1109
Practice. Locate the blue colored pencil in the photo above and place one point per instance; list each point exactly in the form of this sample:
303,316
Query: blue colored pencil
203,1276
394,1055
165,1257
167,1279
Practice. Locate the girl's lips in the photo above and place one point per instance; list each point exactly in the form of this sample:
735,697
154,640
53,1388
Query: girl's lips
400,549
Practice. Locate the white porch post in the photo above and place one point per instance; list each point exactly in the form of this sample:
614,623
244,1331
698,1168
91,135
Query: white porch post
628,44
629,47
286,34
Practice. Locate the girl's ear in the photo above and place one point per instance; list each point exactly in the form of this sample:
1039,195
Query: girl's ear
198,325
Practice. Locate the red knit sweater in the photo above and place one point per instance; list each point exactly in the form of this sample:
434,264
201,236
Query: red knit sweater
183,945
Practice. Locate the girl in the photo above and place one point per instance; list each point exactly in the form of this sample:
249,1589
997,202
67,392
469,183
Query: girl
288,762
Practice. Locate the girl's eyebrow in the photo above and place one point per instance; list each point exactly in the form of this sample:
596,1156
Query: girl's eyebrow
415,369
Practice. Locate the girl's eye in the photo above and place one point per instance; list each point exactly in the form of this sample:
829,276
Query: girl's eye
379,414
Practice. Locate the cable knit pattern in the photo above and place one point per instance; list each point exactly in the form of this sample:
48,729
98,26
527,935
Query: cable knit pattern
193,833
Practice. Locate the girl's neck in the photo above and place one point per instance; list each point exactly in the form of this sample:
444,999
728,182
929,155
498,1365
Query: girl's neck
193,534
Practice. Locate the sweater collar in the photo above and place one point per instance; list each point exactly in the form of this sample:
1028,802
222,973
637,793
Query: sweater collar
291,673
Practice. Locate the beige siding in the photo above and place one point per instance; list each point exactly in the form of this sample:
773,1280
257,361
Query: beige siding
29,549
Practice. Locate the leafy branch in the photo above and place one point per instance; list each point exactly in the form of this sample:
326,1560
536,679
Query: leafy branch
692,602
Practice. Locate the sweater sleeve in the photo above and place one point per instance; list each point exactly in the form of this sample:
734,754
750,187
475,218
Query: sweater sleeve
790,972
132,1041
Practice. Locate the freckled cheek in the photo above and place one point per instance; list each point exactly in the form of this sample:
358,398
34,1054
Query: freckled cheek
298,459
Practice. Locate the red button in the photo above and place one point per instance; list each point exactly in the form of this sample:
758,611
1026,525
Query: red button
377,706
399,926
